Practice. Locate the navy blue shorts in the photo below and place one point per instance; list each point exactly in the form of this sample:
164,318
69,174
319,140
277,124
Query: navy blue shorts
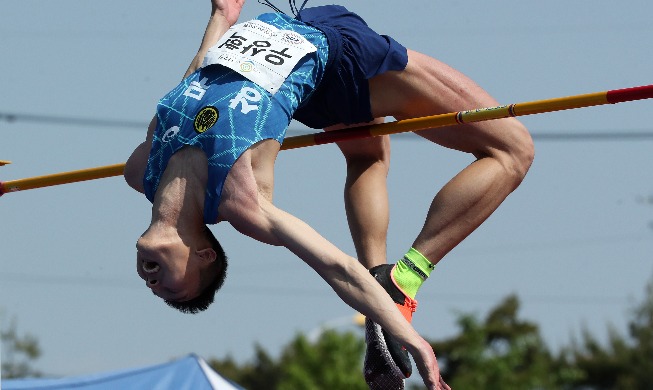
356,54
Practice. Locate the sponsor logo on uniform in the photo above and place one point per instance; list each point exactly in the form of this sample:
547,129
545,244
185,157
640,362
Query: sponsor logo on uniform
170,134
292,38
205,119
247,66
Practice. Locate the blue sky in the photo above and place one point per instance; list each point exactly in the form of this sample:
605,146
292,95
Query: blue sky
575,241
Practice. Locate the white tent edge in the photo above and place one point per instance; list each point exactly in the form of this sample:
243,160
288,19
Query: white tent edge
175,369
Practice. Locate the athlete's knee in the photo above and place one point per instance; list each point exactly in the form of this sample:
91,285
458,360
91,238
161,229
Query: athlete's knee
519,153
364,150
367,153
525,150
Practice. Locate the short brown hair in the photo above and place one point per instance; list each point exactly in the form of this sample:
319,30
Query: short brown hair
206,297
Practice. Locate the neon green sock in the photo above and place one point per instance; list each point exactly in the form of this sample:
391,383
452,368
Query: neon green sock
412,271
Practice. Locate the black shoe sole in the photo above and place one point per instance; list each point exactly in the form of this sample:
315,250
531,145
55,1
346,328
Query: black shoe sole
380,370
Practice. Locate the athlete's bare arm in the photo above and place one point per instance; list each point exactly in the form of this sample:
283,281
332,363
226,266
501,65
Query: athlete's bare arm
249,209
348,278
224,13
137,162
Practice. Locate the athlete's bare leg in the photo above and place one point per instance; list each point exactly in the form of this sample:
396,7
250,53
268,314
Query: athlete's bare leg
503,148
366,195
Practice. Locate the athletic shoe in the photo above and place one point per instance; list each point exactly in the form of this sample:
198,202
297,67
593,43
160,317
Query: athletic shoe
380,370
387,363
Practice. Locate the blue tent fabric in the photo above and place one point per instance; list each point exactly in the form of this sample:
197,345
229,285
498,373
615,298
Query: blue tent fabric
188,373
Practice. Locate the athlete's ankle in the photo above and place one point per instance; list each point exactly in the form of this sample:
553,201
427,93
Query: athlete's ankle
411,271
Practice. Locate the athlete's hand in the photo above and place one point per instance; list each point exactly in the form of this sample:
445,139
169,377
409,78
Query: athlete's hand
427,366
229,9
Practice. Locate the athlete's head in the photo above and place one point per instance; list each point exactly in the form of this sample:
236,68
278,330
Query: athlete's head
185,273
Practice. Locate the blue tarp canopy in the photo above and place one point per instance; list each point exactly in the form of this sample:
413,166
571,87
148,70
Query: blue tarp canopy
189,373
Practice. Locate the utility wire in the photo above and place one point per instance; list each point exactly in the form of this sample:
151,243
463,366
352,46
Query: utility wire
611,135
244,289
67,120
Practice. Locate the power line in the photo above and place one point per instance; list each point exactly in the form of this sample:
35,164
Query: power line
608,135
244,289
67,120
593,136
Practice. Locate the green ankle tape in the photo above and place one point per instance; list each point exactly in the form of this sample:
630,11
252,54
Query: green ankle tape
418,263
411,271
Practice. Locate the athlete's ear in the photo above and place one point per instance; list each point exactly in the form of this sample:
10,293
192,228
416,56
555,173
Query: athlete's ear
208,254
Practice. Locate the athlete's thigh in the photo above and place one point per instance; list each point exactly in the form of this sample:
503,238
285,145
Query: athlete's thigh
430,87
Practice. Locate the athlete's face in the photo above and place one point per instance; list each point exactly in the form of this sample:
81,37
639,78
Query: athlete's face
168,269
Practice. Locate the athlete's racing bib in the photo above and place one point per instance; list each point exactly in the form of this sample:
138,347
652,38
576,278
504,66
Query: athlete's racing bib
261,52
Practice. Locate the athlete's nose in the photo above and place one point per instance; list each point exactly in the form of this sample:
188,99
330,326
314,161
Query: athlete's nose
150,267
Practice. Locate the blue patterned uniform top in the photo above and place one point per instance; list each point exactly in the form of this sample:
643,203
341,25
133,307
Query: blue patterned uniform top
222,113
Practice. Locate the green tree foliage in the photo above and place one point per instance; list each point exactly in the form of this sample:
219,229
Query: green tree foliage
626,362
641,333
18,353
262,373
500,352
334,361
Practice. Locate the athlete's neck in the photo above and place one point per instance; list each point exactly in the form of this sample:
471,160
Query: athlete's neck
179,199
